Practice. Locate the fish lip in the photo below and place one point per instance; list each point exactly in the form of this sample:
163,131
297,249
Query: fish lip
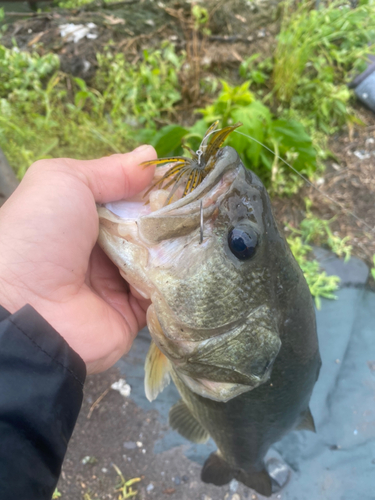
227,160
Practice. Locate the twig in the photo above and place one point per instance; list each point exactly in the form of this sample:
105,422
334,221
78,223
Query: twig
231,39
29,14
95,404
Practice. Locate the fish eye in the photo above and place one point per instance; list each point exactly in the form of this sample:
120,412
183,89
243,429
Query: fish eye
243,243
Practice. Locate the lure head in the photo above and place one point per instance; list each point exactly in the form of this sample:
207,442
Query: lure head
215,310
190,171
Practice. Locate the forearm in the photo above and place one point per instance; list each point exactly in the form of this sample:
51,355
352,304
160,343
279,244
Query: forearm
41,381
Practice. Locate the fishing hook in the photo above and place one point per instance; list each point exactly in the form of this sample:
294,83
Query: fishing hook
201,225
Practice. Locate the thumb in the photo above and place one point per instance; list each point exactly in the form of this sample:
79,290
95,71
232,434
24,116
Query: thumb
113,177
118,176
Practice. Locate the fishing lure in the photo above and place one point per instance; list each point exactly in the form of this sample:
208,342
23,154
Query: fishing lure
191,170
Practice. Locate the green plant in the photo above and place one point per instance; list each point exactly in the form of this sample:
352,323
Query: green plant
56,494
373,268
125,487
255,71
318,231
45,113
319,283
201,18
317,53
74,4
140,93
284,138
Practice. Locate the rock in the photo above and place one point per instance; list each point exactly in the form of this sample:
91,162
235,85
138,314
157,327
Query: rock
130,445
233,486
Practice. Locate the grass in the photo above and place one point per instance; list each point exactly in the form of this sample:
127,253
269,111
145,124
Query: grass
46,113
317,231
73,4
317,54
125,487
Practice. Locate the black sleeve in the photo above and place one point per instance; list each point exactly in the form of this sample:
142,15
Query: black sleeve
41,382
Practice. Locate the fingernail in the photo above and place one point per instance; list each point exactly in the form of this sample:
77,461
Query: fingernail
141,148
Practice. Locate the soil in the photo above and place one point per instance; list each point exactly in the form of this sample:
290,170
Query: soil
116,430
349,182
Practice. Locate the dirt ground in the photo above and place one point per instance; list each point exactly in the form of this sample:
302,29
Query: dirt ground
349,180
117,431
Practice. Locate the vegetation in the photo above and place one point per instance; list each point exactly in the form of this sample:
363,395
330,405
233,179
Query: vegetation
46,113
317,54
319,283
124,488
288,103
72,4
317,231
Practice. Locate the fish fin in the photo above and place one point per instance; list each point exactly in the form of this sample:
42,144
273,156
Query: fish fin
157,370
307,423
259,481
216,470
181,419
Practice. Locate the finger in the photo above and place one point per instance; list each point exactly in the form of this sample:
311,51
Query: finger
119,176
113,177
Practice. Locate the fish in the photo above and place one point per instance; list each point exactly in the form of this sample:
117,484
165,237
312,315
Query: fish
231,318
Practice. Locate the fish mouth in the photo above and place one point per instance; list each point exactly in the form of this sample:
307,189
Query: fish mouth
151,215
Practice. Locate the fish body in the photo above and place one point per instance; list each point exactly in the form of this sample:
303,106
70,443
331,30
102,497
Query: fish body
232,318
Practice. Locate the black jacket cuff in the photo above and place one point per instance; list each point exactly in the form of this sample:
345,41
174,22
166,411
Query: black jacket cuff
41,392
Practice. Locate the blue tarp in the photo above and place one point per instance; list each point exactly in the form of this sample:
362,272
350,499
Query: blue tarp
337,463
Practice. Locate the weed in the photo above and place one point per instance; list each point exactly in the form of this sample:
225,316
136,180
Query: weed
255,71
318,231
45,113
143,92
237,104
73,4
201,18
319,283
373,268
317,53
56,494
125,487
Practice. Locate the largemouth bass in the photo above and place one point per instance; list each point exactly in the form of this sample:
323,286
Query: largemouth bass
232,319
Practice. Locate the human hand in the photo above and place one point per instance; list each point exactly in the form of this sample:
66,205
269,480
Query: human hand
49,257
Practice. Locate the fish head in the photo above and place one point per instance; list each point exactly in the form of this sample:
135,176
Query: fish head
214,311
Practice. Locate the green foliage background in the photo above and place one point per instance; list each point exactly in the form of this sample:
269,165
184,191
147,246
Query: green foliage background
288,103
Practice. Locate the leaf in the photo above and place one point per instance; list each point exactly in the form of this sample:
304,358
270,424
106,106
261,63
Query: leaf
292,136
168,139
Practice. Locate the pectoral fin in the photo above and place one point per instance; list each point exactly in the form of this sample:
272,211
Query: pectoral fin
181,419
157,372
307,423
